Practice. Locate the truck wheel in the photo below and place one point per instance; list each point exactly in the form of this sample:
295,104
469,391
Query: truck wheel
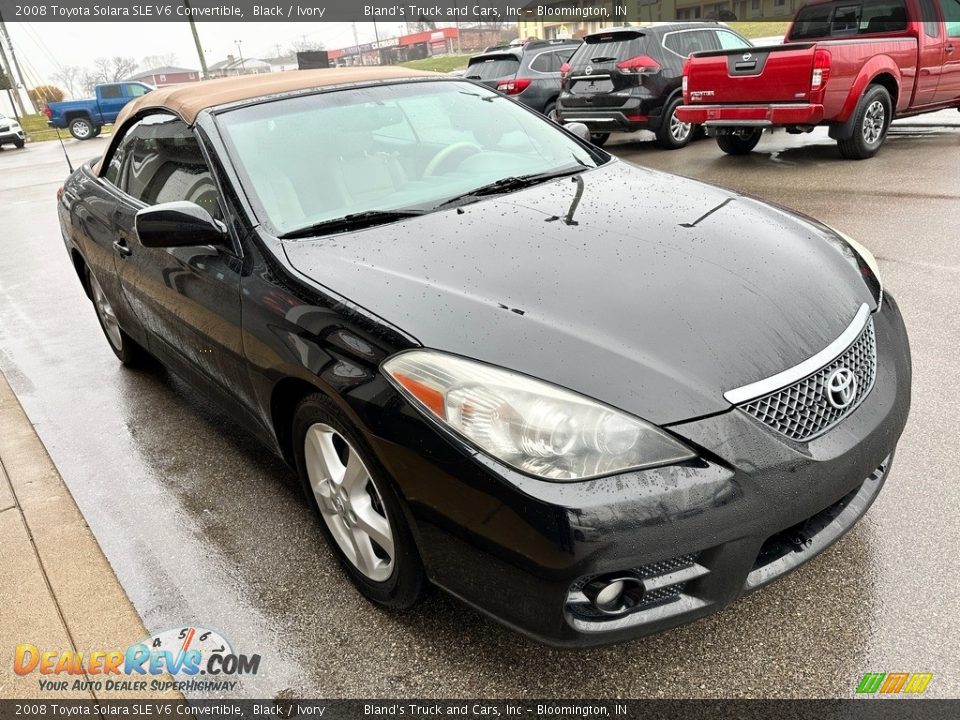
739,142
19,144
96,131
81,128
871,120
673,134
599,139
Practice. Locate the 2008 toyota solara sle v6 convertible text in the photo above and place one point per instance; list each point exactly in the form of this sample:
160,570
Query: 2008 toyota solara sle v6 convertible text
591,400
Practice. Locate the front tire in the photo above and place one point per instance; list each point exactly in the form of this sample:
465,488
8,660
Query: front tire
81,128
871,122
360,510
673,134
550,112
739,142
19,144
599,139
123,346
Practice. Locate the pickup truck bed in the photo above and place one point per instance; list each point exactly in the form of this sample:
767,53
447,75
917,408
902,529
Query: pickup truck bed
856,85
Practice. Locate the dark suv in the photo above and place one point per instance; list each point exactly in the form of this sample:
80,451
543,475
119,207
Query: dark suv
530,72
628,79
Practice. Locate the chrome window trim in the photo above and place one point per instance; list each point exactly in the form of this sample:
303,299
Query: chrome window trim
807,367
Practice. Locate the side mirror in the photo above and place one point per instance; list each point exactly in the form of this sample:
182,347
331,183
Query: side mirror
178,224
578,129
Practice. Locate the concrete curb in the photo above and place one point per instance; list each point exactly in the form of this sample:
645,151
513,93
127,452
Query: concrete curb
60,591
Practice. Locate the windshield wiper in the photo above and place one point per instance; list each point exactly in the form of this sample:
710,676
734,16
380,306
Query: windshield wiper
518,182
354,221
602,59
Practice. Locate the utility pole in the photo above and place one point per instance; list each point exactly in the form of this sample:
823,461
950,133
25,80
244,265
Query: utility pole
11,65
356,43
12,94
196,40
243,66
376,34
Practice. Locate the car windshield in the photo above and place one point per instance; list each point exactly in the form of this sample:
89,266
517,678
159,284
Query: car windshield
411,146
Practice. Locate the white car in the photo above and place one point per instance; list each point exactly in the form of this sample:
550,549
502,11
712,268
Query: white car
11,133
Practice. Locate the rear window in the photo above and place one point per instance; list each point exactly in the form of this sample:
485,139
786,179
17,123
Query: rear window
493,68
608,47
844,19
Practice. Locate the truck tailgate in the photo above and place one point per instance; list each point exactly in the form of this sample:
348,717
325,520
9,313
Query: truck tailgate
773,74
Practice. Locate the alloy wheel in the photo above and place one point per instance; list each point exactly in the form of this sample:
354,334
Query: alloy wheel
82,130
873,122
679,130
349,501
106,314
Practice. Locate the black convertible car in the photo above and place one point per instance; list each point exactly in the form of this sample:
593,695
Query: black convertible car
592,400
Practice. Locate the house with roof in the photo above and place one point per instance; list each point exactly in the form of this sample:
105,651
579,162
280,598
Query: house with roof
238,66
167,75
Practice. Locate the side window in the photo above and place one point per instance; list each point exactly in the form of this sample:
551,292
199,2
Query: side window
164,163
928,13
883,16
951,16
138,90
113,174
731,41
111,92
690,41
547,62
846,20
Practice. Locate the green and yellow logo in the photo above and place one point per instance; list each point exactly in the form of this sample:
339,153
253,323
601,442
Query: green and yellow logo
894,683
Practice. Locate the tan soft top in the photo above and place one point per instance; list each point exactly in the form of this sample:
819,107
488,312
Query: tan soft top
188,101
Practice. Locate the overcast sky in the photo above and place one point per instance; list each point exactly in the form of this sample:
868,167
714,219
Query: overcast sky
43,48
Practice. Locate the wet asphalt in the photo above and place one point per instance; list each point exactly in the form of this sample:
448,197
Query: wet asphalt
204,527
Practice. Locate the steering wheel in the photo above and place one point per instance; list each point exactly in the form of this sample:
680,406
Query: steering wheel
464,149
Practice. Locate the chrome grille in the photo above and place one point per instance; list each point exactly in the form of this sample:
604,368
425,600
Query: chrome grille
801,411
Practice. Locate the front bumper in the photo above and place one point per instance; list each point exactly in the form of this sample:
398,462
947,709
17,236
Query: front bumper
15,136
756,506
751,115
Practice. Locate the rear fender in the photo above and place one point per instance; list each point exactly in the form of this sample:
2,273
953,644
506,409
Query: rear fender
874,69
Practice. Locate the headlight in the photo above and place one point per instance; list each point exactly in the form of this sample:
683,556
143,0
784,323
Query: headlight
866,263
533,426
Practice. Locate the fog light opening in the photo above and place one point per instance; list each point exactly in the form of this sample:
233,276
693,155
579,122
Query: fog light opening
614,595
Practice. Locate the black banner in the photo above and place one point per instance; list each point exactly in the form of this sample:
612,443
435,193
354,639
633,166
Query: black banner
853,709
428,11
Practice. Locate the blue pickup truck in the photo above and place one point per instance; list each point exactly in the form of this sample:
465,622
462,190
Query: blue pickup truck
85,118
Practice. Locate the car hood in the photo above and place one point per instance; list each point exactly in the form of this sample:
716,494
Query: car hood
650,292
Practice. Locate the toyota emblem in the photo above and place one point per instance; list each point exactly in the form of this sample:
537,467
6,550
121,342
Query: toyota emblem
841,388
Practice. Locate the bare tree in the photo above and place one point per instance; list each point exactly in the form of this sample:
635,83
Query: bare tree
70,77
89,79
305,45
112,69
151,62
122,67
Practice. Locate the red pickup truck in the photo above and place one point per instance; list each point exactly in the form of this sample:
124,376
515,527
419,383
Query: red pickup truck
853,65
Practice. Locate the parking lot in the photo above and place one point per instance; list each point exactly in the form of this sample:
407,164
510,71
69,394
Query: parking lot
203,526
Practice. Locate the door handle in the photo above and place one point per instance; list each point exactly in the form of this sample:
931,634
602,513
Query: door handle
122,248
948,49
